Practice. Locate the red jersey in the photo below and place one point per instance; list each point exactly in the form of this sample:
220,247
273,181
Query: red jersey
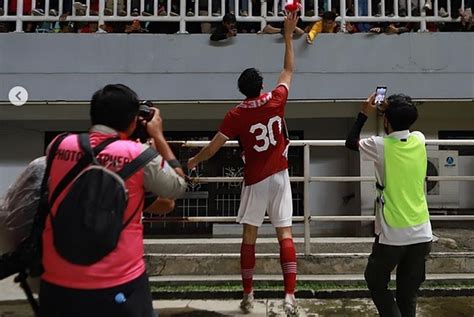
259,124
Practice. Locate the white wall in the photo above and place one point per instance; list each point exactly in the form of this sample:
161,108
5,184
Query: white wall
21,141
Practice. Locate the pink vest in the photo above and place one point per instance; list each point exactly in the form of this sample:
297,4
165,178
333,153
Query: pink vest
123,264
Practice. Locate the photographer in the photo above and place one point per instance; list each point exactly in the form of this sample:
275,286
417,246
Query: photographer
116,285
402,224
227,29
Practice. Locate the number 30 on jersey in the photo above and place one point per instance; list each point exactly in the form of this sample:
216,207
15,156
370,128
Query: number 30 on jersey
265,133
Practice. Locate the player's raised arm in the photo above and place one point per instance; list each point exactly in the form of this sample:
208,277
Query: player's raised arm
291,20
208,151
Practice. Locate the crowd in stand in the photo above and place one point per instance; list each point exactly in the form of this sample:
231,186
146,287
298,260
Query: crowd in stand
462,17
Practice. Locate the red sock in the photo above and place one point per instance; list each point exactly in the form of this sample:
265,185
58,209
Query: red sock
288,264
247,265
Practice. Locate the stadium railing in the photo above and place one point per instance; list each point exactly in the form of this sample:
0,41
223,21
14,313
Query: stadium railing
308,15
307,179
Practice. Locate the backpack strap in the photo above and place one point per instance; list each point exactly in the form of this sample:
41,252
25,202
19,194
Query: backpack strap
140,161
134,213
41,215
80,165
131,168
49,160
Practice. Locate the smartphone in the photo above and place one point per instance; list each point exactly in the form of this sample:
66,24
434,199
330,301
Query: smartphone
380,93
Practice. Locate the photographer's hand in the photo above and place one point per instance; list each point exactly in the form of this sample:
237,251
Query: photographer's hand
155,126
155,129
369,105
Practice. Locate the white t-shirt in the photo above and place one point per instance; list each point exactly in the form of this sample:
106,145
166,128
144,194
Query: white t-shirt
372,149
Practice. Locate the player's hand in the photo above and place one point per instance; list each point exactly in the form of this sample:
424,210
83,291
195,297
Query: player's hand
349,27
392,29
180,172
376,30
63,17
155,126
192,163
369,105
291,20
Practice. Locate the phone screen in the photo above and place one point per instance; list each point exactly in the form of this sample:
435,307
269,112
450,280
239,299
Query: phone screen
380,94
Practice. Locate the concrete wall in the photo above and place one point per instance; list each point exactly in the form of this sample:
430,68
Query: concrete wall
23,140
187,67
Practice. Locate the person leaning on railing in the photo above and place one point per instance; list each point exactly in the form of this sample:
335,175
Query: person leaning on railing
227,29
402,223
326,25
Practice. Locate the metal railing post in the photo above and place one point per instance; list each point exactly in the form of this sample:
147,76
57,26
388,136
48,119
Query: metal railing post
342,6
263,13
19,16
182,15
101,13
307,209
423,15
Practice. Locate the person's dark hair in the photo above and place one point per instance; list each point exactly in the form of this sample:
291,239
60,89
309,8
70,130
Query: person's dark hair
229,18
115,106
250,83
401,113
329,15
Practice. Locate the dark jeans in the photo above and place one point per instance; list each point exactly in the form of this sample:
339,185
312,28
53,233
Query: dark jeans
57,301
410,262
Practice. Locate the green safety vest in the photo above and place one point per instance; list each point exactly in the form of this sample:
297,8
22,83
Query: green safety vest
405,171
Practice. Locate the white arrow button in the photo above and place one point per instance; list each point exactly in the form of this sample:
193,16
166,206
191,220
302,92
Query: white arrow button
18,96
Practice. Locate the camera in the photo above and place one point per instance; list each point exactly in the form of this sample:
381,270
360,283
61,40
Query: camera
145,113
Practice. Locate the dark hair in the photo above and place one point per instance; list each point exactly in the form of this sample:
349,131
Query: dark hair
401,113
115,106
229,18
329,15
250,83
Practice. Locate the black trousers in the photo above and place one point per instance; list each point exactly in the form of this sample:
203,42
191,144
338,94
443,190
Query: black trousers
410,262
57,301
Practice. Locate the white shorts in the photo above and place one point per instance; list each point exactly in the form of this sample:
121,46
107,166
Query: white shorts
273,195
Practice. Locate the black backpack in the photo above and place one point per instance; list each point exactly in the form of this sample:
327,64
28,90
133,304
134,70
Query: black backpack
89,220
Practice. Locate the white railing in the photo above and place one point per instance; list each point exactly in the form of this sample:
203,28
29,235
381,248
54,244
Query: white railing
307,179
213,10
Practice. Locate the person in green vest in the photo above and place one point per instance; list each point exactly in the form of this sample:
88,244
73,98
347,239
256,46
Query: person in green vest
402,225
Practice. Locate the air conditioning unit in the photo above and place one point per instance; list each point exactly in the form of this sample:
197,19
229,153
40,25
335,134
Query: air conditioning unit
442,194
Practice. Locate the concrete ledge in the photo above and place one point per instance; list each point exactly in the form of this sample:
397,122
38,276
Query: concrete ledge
270,245
328,263
342,279
354,293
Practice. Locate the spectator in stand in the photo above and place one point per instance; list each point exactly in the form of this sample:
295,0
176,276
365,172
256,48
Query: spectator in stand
399,28
466,16
227,29
271,8
27,6
243,7
203,7
40,7
279,28
135,27
326,25
109,8
270,29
